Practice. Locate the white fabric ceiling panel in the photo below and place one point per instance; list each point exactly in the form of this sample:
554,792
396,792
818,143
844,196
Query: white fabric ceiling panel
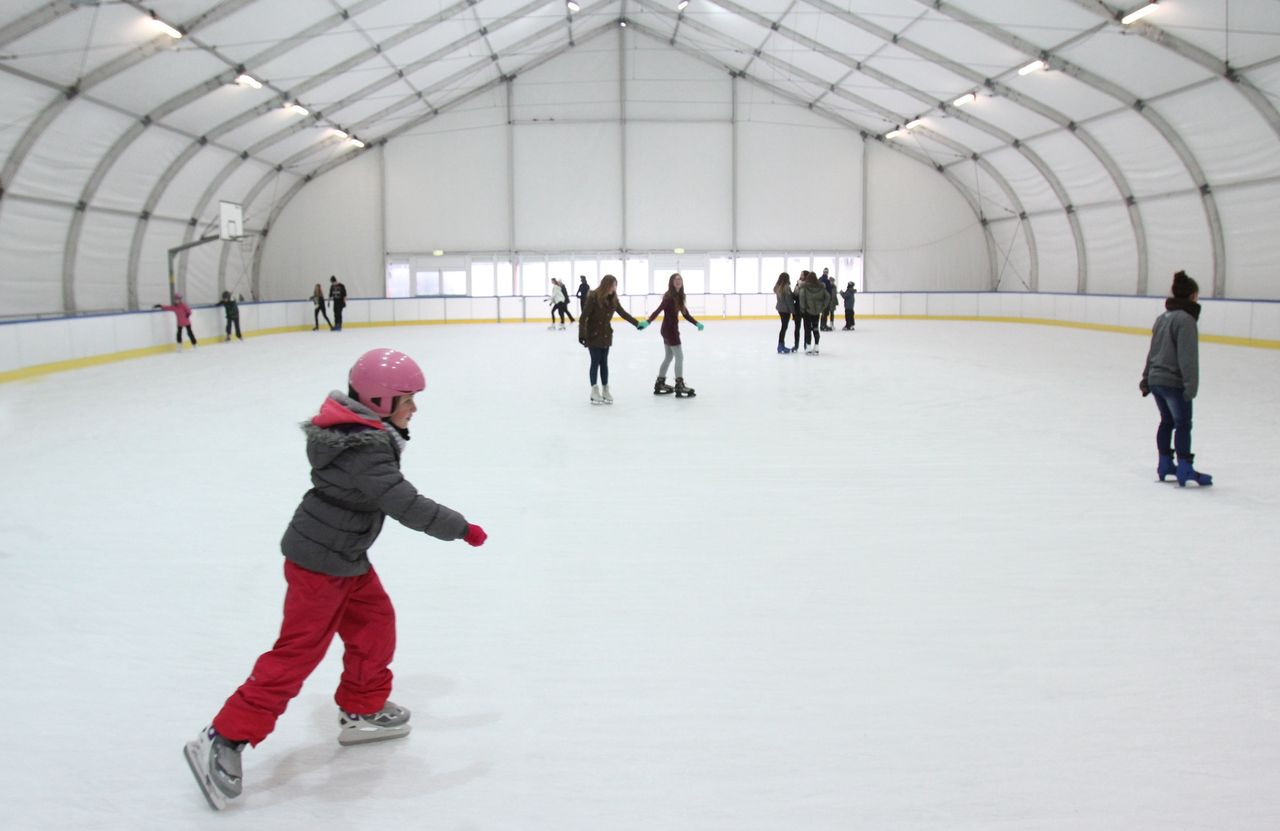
135,172
326,96
153,263
1083,176
219,106
1226,134
665,84
786,81
443,93
1113,253
1149,162
568,186
965,45
815,63
1045,23
1239,31
929,146
1177,240
734,26
199,273
1056,250
986,192
679,186
1013,258
90,37
23,101
1135,63
956,129
580,84
313,56
663,25
60,163
388,17
447,187
901,103
799,185
1267,77
101,260
1027,182
293,149
367,114
1250,218
439,36
236,188
891,14
258,212
246,32
32,239
843,37
143,86
482,111
1006,115
488,11
436,71
927,77
1074,99
254,131
504,39
180,195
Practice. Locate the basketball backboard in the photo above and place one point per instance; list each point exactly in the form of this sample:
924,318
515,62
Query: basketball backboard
231,217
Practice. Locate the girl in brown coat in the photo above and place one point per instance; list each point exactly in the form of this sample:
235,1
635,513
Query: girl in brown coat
595,332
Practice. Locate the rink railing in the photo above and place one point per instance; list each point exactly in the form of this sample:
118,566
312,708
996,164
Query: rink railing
35,347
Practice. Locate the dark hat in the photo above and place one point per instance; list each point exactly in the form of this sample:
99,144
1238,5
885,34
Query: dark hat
1184,286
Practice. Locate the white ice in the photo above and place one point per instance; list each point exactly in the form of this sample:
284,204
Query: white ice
925,580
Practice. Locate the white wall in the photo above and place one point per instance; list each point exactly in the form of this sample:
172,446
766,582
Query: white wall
922,235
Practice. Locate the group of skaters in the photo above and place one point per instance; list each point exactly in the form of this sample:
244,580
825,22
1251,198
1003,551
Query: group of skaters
182,311
813,302
337,296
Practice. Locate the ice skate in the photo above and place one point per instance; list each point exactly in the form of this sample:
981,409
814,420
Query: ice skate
391,722
1166,467
661,387
552,326
596,397
1186,473
682,391
215,763
782,350
604,394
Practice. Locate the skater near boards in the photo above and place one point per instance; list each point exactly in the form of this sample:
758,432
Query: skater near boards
672,309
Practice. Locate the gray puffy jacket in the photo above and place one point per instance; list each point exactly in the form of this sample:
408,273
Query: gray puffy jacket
356,482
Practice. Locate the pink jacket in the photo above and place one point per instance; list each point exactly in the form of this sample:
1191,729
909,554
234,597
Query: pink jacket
182,310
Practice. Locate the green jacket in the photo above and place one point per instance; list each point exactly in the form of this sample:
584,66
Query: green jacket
813,298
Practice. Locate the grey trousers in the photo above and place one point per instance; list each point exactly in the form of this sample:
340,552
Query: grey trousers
676,352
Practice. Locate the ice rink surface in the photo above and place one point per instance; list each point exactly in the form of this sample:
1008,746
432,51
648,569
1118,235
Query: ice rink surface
925,580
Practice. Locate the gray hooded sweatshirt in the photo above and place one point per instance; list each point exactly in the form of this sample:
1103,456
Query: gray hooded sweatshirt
356,482
1174,357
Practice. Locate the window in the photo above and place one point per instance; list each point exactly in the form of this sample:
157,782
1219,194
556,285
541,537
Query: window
637,279
850,271
770,268
795,265
721,275
427,283
585,268
505,279
820,263
695,280
482,279
455,282
398,280
747,275
533,278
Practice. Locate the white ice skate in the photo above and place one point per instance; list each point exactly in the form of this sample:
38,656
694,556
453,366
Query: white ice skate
391,722
604,394
596,397
215,763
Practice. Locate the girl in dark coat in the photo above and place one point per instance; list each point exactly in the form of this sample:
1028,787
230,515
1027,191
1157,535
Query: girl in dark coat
317,300
813,299
785,305
671,308
583,290
595,331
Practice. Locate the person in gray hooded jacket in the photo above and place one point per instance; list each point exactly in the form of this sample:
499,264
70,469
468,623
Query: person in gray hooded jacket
1172,374
354,446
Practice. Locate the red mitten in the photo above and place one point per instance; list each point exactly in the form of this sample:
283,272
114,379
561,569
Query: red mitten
475,536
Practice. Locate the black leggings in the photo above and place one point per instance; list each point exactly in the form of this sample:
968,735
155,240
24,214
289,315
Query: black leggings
563,309
811,326
795,339
190,333
599,364
786,321
233,321
320,311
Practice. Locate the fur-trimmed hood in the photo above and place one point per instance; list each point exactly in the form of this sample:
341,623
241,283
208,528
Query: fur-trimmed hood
341,424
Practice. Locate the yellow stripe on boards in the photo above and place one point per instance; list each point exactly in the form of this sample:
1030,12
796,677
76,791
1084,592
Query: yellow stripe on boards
40,370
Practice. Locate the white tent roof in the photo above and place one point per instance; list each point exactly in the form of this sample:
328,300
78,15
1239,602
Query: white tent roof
107,124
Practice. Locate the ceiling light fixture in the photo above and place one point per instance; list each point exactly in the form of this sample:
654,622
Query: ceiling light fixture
294,106
341,133
677,250
357,142
437,253
895,132
573,6
1138,14
172,32
682,5
967,98
1034,66
914,123
622,24
247,80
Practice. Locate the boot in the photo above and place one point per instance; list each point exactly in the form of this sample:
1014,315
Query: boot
215,762
660,386
1186,473
782,350
604,394
596,398
391,722
1166,467
682,391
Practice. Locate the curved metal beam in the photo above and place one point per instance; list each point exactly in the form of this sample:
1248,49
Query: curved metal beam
1117,92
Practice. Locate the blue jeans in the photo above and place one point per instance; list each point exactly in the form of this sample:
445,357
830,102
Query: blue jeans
599,364
1175,422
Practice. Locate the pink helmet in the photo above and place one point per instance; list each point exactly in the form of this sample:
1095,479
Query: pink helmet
379,375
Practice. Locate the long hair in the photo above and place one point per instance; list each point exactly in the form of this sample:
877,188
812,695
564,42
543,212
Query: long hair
784,281
317,292
601,292
673,293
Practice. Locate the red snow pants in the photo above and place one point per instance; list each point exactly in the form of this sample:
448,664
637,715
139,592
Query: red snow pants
317,607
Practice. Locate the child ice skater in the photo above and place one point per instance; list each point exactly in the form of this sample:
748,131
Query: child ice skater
595,331
671,308
229,305
354,445
850,295
182,312
1172,375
